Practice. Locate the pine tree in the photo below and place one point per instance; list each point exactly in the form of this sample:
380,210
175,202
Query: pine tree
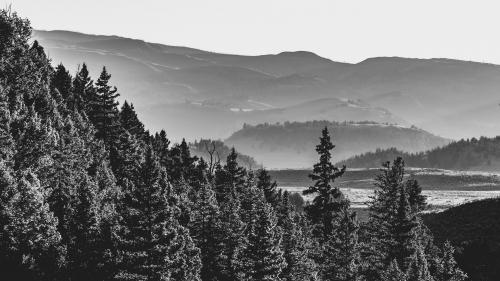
404,230
153,246
393,224
229,179
182,165
7,144
206,229
448,269
62,83
35,140
418,269
103,110
393,273
85,252
83,91
341,252
31,242
125,157
161,145
263,254
268,186
329,199
130,121
295,244
416,200
231,261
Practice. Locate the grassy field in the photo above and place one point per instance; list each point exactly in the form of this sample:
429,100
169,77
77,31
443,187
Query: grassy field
443,188
429,179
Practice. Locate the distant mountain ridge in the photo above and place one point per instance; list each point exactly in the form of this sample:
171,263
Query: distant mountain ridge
424,92
481,154
291,144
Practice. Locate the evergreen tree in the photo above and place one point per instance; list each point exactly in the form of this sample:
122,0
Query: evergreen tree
231,261
295,244
161,144
153,246
205,228
182,165
31,243
418,269
393,273
263,254
62,83
130,121
83,91
268,186
448,269
416,200
104,112
85,253
329,199
341,251
229,179
126,156
404,230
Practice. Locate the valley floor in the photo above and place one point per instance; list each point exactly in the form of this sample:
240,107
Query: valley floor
443,188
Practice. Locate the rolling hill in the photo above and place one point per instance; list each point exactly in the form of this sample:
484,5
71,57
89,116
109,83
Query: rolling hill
292,144
434,94
481,154
473,228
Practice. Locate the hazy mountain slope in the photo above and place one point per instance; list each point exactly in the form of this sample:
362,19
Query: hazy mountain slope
476,154
291,145
424,92
214,119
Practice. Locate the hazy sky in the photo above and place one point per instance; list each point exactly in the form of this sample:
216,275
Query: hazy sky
349,30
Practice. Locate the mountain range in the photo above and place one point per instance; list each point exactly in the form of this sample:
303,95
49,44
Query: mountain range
194,93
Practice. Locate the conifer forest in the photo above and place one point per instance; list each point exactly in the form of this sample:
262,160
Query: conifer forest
89,193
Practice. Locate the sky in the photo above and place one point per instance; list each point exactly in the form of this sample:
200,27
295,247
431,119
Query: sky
349,30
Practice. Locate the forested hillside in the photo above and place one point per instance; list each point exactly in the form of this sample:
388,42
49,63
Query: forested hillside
474,228
481,154
87,194
288,145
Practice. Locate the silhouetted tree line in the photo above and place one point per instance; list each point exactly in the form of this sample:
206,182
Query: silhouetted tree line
463,154
86,193
216,151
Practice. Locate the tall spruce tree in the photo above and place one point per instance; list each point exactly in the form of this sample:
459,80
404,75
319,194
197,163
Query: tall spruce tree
32,247
229,179
393,227
130,121
62,81
419,268
85,251
448,269
269,187
153,246
103,110
206,229
295,244
263,255
329,198
83,91
393,273
231,261
341,252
